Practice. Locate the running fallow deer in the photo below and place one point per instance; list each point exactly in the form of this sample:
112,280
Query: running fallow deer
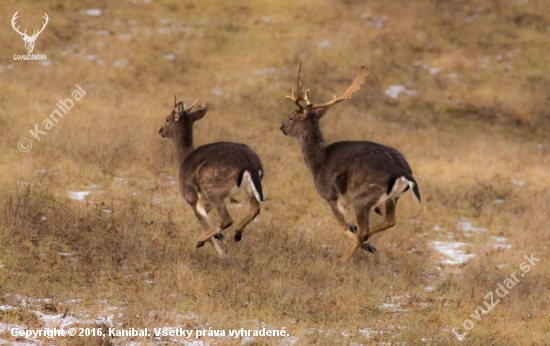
212,173
366,174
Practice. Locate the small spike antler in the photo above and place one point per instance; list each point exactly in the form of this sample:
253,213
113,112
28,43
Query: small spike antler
175,101
297,94
193,104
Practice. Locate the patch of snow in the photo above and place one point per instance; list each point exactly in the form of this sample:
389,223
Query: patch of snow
394,90
247,340
467,226
453,251
502,246
216,91
93,12
370,333
120,63
323,44
392,307
78,195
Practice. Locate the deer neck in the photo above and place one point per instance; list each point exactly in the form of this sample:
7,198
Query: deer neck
313,147
183,145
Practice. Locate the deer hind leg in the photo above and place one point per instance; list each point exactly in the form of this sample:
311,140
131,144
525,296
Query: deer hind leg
201,213
225,222
207,206
391,199
389,221
339,212
363,202
254,211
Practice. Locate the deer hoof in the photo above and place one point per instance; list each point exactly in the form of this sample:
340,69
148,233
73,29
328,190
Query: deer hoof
199,244
369,247
238,237
219,236
352,228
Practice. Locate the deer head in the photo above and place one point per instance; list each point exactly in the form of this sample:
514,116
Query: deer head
181,118
29,40
309,113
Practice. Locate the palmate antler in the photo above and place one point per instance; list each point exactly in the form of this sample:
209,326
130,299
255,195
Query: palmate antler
362,75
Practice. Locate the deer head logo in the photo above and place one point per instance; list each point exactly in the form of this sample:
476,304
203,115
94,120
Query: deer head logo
29,40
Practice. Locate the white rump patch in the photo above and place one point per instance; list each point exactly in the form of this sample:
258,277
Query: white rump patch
249,185
397,190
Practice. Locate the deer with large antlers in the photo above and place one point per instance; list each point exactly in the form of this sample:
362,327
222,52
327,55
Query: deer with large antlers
367,174
212,173
29,40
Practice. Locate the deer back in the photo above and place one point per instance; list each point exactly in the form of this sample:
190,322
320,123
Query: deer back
218,168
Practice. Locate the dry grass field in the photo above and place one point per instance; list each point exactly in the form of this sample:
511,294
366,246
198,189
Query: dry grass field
95,234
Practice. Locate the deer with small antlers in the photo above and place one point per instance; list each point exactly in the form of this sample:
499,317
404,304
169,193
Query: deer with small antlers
29,40
366,174
212,173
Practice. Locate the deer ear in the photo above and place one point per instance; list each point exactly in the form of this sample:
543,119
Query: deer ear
319,113
178,111
199,113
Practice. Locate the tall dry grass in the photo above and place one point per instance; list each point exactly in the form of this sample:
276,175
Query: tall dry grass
474,130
